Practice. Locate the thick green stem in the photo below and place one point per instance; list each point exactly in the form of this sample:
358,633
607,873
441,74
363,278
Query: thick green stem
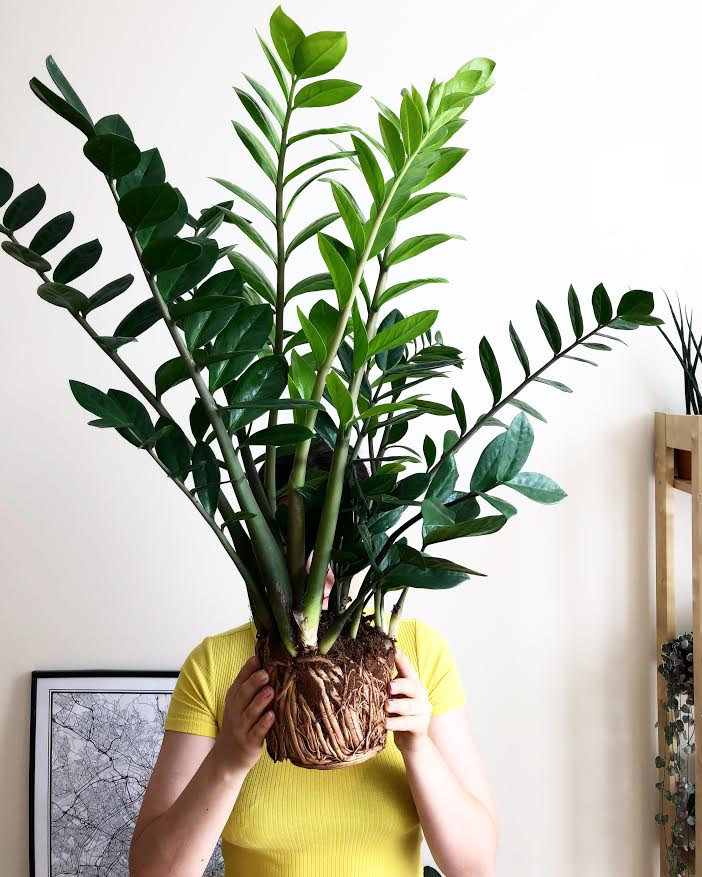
268,552
271,488
395,614
314,595
296,507
378,608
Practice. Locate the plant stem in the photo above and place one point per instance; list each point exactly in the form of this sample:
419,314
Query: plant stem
396,613
271,450
332,633
268,552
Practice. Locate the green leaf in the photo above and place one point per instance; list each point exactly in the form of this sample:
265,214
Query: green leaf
282,434
429,450
422,202
109,291
24,208
140,428
524,406
370,170
139,319
78,261
247,332
248,228
596,345
448,158
259,118
283,405
267,99
265,378
99,403
163,254
316,132
257,150
313,283
550,327
172,448
340,274
432,573
635,302
63,296
26,256
392,140
326,93
537,487
148,205
308,165
206,476
309,231
61,107
286,36
314,339
459,409
149,172
491,369
519,349
250,199
115,156
179,279
65,87
253,275
576,315
113,342
516,448
416,245
302,374
340,396
52,233
7,186
169,374
402,332
350,214
473,527
484,475
308,183
601,305
407,286
275,66
319,53
557,384
360,338
505,508
411,124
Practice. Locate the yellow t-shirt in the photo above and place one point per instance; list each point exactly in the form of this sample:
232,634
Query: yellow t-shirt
287,821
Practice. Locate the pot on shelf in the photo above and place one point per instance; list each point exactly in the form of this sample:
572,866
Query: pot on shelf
329,709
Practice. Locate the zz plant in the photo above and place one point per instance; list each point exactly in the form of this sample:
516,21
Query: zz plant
351,369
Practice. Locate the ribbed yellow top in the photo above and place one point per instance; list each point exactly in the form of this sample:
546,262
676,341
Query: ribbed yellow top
287,821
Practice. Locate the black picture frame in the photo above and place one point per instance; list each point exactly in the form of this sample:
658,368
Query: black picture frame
63,746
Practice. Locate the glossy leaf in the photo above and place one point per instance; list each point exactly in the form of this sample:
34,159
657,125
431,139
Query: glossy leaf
139,319
550,327
448,158
26,256
63,296
7,186
340,274
65,87
491,369
249,229
148,205
314,339
326,93
370,169
172,448
411,124
314,162
319,53
536,486
406,286
257,150
360,338
253,275
635,302
309,231
61,107
575,312
459,409
516,448
601,304
149,172
259,118
250,199
557,384
528,409
275,66
163,254
416,245
206,476
340,396
264,379
78,261
246,332
286,36
313,283
115,156
179,279
350,214
392,140
282,434
109,291
52,233
99,403
403,331
24,207
474,527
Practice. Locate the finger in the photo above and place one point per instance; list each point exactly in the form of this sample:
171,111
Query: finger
406,686
257,707
403,723
404,665
262,726
250,688
247,669
407,706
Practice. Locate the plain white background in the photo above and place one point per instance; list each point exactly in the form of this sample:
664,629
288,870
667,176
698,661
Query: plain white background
583,167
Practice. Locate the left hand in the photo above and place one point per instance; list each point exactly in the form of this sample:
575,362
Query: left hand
408,707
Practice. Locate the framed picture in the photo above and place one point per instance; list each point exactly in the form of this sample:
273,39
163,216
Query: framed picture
94,739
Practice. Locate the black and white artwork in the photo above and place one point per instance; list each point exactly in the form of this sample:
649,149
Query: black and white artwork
95,737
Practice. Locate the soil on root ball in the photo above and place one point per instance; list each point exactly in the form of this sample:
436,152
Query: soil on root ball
329,709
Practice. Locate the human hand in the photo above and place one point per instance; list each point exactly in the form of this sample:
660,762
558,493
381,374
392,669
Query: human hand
247,717
412,712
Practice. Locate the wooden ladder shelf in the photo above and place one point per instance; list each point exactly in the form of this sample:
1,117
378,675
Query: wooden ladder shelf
682,431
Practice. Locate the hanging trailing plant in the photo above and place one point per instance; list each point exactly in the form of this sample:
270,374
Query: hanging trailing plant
350,370
675,783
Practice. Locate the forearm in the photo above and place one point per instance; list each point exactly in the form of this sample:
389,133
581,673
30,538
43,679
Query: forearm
181,840
457,826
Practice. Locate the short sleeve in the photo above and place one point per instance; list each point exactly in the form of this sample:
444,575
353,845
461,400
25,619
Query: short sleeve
437,669
191,708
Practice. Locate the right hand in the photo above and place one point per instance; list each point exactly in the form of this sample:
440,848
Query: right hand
248,716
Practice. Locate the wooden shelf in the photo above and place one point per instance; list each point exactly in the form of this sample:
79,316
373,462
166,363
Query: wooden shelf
684,432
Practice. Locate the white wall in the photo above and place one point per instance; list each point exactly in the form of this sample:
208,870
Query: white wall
584,167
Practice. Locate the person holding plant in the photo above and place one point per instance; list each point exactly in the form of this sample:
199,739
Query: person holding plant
366,819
